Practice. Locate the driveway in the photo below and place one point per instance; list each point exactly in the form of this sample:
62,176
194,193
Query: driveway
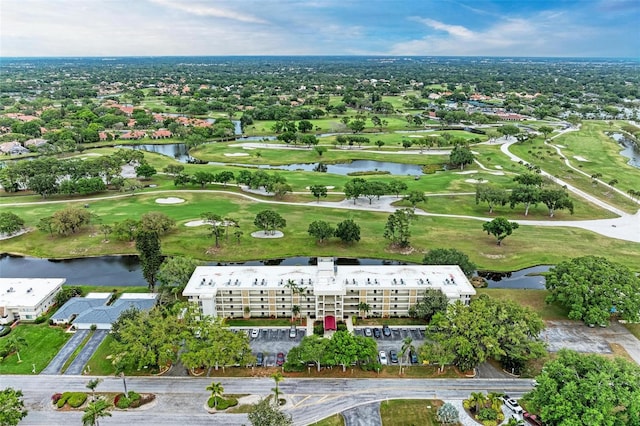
363,415
55,366
87,352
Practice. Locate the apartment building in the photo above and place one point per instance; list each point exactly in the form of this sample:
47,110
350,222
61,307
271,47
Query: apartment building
322,290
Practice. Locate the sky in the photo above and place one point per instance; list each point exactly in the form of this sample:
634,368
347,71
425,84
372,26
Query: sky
534,28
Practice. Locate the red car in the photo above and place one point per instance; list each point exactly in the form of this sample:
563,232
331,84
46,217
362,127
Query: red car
279,359
532,419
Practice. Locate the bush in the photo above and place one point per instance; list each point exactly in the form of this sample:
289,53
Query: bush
341,326
371,366
74,399
56,397
223,403
487,414
132,400
41,319
318,328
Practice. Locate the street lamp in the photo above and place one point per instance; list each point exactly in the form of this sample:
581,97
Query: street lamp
124,382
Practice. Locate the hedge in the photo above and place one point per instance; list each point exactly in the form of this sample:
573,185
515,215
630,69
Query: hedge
223,403
74,399
132,400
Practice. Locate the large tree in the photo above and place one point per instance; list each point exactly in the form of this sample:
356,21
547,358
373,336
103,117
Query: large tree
500,228
269,220
69,220
12,410
157,222
524,194
580,389
148,246
492,195
397,229
593,288
321,230
345,348
265,414
461,155
556,199
348,231
10,223
488,328
318,191
432,302
442,256
175,272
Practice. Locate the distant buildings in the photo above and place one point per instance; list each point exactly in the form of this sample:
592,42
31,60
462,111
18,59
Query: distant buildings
321,291
26,298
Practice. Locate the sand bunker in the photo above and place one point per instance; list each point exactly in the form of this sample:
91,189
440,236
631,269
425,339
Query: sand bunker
467,172
475,181
204,222
248,148
415,136
270,234
236,154
580,158
169,200
498,167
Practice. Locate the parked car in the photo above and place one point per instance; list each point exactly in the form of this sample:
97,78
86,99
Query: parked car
280,359
414,357
393,356
255,333
386,330
512,404
382,356
259,359
532,419
367,332
293,332
377,333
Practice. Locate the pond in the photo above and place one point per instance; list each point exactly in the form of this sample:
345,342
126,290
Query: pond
630,151
125,270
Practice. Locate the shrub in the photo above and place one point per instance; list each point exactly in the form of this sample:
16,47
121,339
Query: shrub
74,399
371,366
56,397
132,400
341,326
318,328
41,319
487,414
223,403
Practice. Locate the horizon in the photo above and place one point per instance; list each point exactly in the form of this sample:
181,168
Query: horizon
429,28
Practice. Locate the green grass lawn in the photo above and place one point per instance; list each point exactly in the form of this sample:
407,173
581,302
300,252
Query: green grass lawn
634,329
335,420
527,246
99,364
602,153
409,412
533,299
42,344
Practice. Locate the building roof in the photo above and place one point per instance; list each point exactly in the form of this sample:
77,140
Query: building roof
16,292
328,278
78,305
92,309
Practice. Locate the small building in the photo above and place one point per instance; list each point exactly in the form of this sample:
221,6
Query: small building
161,134
27,298
36,142
94,309
321,291
13,148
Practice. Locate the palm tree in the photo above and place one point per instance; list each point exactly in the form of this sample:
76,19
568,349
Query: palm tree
92,385
407,345
295,289
514,422
295,310
364,307
495,399
15,343
94,411
479,399
216,390
277,377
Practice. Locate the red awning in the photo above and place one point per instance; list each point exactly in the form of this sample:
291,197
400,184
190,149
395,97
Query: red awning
330,323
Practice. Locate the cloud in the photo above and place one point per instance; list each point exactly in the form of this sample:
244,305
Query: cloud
203,10
454,30
543,34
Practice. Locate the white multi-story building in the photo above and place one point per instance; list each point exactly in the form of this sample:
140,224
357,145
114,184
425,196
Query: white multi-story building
321,291
26,298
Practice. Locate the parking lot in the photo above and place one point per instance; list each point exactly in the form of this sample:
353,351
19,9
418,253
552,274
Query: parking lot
270,341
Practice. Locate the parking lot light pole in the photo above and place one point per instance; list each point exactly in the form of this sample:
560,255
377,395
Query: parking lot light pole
124,382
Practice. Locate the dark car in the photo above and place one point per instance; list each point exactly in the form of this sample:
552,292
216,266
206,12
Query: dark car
393,356
259,359
279,359
386,330
413,357
376,333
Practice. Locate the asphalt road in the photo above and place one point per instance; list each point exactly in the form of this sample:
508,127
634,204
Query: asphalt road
181,400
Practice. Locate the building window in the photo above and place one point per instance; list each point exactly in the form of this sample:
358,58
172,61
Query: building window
395,298
396,291
261,292
231,299
231,307
261,306
283,306
375,298
282,291
262,299
395,306
231,291
375,291
283,299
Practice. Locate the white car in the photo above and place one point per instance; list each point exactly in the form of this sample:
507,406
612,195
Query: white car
255,333
512,404
382,356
